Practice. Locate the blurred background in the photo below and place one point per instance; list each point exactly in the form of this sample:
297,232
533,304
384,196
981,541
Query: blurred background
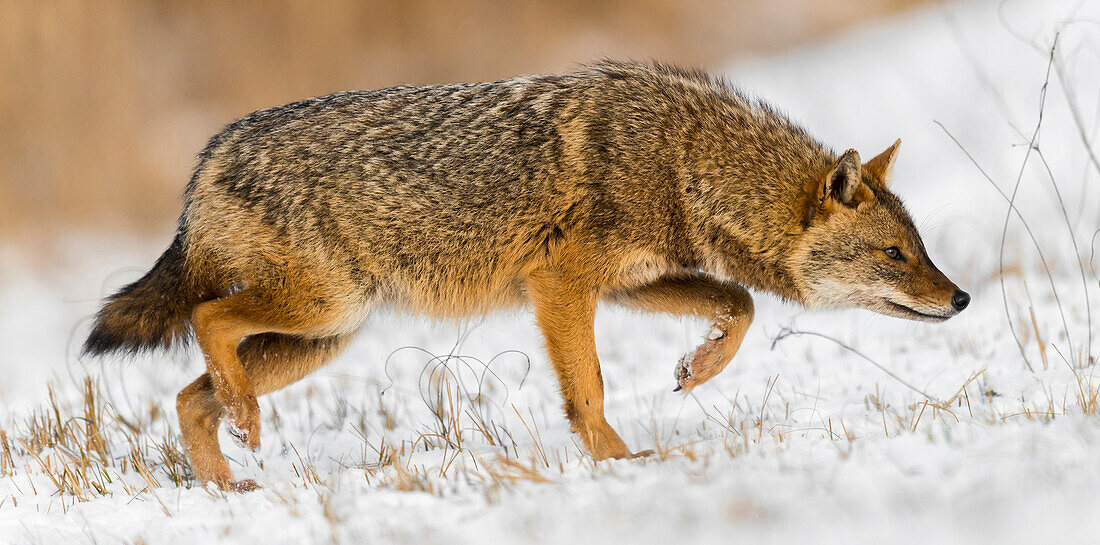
103,105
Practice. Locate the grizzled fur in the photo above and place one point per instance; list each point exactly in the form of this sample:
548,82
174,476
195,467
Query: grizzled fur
639,184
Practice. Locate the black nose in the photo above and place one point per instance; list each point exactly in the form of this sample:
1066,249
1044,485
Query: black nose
960,300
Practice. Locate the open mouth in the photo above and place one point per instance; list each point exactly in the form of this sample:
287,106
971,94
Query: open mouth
915,314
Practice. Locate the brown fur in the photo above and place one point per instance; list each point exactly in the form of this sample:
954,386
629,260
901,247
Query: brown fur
643,185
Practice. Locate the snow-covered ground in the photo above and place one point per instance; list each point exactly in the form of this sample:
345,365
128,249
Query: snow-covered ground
944,433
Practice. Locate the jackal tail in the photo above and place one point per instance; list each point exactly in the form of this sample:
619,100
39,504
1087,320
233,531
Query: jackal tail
153,312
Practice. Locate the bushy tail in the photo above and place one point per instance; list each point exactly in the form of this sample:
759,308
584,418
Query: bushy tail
153,312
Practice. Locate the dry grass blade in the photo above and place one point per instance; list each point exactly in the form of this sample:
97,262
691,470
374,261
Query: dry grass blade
7,463
92,418
1076,251
512,471
536,437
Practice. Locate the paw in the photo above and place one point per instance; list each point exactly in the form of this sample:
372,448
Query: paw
709,359
627,455
683,375
239,487
244,485
243,422
606,449
601,441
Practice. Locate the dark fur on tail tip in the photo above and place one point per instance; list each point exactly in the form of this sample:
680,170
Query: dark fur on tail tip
153,312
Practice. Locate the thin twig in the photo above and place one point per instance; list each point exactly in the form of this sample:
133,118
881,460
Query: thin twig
1076,251
1013,209
1016,189
788,332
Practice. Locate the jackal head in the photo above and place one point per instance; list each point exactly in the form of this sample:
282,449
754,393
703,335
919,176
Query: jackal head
860,248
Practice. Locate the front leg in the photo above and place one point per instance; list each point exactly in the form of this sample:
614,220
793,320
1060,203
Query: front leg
565,307
728,306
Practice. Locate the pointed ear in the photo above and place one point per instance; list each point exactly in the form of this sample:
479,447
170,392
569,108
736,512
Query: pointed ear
843,182
882,165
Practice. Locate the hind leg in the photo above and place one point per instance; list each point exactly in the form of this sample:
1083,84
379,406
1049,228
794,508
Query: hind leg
271,361
220,325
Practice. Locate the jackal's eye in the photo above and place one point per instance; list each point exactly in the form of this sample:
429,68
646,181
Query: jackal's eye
894,253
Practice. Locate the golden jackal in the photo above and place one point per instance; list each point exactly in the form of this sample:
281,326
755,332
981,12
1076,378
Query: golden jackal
643,185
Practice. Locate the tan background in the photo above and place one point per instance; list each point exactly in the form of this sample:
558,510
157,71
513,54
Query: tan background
103,105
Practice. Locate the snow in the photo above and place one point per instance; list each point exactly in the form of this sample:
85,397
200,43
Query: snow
802,440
